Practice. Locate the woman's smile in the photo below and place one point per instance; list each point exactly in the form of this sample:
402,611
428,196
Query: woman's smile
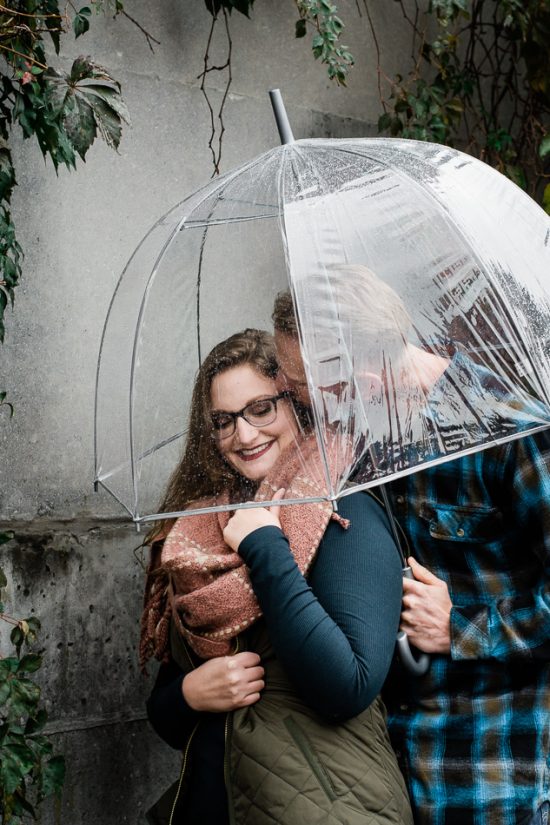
255,452
251,449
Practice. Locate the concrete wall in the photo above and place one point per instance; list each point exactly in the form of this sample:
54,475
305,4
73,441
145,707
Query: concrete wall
72,561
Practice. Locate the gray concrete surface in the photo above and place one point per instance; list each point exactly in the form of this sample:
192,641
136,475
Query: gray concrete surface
72,561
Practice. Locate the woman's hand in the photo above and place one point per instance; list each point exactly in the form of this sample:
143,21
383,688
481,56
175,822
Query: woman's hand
426,614
225,683
244,522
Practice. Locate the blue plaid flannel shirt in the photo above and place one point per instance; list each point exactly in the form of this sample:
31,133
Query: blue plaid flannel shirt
473,735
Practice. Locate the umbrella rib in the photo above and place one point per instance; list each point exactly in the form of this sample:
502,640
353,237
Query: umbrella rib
224,508
222,221
456,228
208,192
280,188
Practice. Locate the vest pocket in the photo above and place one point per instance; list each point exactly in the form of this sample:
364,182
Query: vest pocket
306,749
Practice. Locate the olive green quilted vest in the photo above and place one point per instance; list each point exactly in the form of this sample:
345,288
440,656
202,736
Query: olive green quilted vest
286,766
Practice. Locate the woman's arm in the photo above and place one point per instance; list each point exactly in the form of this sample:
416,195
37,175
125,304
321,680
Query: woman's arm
216,686
335,634
168,712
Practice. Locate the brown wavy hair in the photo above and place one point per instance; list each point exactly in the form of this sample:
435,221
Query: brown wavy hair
202,470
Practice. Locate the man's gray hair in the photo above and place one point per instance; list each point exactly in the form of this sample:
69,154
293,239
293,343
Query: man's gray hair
355,296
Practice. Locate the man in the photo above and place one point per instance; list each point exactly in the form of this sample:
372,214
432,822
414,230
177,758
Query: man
473,734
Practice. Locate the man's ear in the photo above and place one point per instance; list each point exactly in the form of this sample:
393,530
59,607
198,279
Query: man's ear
371,381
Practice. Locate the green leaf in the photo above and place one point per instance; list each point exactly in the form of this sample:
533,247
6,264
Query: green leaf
34,623
53,776
81,22
17,761
79,122
396,127
109,92
86,101
7,174
7,667
384,122
53,28
419,108
36,723
7,535
108,122
5,692
301,28
16,637
546,198
41,745
25,693
517,174
30,663
21,804
544,146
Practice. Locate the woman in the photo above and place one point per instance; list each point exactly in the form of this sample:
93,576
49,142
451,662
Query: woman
269,681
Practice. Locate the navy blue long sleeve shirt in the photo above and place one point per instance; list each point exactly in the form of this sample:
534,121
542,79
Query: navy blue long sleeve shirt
334,633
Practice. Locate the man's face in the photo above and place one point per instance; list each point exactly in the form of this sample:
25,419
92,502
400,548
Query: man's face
292,375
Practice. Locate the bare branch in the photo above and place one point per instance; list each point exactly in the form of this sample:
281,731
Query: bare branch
216,152
26,57
149,37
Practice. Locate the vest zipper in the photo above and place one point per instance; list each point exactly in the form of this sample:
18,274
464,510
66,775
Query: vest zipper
228,727
227,742
182,772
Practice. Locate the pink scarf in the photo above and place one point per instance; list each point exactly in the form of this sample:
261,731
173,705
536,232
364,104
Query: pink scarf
204,585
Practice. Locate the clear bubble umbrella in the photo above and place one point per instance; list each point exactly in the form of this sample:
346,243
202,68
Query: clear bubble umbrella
345,225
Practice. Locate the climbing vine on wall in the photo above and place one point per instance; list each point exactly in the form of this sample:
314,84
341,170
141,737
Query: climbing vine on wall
318,16
29,770
478,79
64,112
477,76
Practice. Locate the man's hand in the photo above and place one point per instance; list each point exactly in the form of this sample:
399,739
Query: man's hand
426,613
244,522
225,683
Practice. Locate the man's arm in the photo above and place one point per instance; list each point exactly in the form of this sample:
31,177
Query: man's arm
514,625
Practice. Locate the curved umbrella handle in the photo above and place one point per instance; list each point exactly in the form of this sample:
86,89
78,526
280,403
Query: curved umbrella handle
419,666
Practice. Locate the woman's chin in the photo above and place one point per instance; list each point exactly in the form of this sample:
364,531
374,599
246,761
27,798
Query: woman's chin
258,469
256,473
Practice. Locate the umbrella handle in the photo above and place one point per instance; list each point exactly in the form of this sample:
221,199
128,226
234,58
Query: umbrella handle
414,664
419,666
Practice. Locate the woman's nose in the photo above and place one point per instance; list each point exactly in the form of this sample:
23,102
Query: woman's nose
246,432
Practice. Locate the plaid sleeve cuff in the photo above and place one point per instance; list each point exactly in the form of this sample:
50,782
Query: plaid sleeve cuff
470,632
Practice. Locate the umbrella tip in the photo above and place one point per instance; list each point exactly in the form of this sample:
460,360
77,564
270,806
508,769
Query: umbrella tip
281,117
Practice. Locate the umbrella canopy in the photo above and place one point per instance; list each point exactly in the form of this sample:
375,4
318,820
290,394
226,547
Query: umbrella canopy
391,249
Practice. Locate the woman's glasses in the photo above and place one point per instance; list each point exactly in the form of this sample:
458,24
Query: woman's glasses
257,414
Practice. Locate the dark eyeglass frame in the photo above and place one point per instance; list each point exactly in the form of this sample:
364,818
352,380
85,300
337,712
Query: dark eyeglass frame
273,399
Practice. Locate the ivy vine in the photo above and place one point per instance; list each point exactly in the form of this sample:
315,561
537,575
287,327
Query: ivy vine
319,16
64,112
482,84
29,770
